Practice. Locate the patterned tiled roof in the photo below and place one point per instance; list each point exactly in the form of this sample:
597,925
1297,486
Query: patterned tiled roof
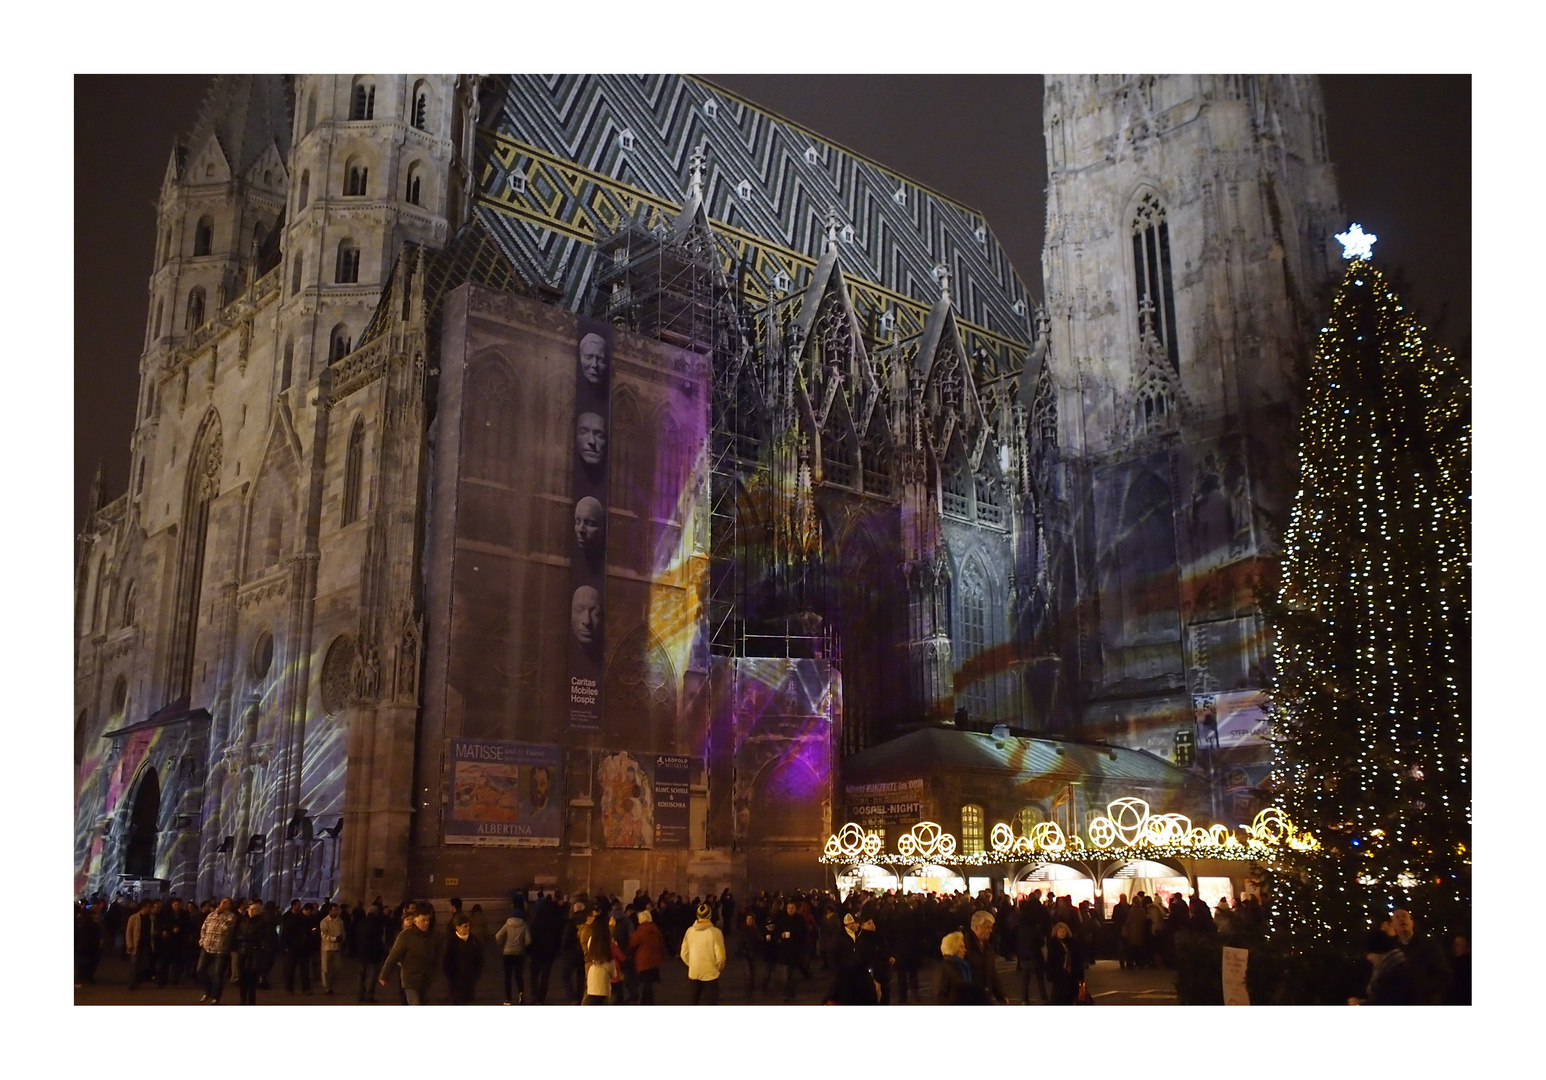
563,159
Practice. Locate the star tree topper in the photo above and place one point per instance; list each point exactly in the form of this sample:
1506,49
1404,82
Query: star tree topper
1357,244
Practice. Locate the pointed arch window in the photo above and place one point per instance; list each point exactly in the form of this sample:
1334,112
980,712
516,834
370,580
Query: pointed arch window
1151,273
195,318
311,113
990,502
975,607
259,234
130,595
420,117
414,191
354,465
120,703
204,236
296,269
304,195
347,270
340,344
357,176
287,369
160,306
364,103
956,484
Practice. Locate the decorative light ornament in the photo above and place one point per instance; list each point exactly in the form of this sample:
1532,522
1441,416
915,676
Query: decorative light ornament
1357,244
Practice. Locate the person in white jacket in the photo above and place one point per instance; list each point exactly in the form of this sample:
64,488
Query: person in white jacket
703,951
332,931
514,939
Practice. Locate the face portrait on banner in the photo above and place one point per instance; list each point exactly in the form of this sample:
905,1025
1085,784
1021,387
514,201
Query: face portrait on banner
585,618
590,440
595,366
540,805
590,529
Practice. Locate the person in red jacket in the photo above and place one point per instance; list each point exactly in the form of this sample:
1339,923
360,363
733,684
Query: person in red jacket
647,947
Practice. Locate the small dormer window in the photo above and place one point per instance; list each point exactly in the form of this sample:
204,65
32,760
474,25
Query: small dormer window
744,189
625,138
812,156
517,183
981,234
1019,308
887,322
710,109
848,234
899,196
781,282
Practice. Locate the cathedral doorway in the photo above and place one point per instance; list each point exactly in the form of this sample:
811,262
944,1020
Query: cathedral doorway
139,859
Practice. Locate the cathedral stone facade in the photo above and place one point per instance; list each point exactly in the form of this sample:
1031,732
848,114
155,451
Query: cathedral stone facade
546,480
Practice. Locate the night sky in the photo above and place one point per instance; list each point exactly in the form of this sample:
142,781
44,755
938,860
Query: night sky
1401,144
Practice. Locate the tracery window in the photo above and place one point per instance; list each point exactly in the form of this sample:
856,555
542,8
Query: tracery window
354,466
341,343
357,176
204,236
1151,273
348,268
364,104
956,484
971,829
414,192
195,317
975,606
420,118
304,195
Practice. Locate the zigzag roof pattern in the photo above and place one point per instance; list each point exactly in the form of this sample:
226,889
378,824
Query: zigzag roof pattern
564,158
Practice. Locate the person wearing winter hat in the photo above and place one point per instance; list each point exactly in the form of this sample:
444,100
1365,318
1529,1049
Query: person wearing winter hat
703,951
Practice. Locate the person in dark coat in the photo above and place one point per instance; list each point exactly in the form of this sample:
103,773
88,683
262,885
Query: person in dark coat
1390,980
1065,964
370,948
1199,917
413,954
1030,940
293,927
852,981
953,982
463,961
253,944
1459,970
982,959
875,950
547,931
789,934
1427,966
748,946
906,938
88,945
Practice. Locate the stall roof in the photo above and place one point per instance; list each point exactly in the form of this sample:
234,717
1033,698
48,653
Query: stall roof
928,749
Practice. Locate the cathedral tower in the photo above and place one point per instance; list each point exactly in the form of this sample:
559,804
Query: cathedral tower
1189,225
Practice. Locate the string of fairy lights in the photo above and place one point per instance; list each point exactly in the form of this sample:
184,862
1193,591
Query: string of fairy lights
1371,695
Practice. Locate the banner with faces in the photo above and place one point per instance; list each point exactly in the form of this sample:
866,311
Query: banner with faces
588,550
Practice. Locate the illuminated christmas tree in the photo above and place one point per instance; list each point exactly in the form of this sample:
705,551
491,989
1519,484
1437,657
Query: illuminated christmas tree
1372,696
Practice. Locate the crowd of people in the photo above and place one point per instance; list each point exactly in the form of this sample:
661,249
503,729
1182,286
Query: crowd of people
867,949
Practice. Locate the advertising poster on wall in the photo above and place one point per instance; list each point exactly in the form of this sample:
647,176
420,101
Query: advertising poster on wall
504,794
586,612
626,797
672,800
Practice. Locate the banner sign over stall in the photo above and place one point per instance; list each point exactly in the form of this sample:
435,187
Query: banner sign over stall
880,805
504,794
586,612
